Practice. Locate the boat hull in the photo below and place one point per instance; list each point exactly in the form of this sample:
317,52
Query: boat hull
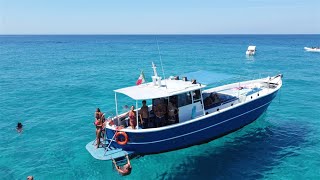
250,53
207,128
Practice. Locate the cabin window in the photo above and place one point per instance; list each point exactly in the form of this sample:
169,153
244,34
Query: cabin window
184,99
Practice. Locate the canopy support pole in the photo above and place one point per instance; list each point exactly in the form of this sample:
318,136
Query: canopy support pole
204,112
115,99
191,94
137,115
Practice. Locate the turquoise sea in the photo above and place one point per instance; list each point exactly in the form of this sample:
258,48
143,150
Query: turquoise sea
53,84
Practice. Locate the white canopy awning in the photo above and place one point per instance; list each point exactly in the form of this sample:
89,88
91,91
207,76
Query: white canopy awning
252,48
168,88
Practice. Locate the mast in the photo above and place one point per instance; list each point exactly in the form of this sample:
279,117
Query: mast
155,78
154,70
164,77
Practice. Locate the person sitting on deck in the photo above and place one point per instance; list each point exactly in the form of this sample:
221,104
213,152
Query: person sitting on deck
216,98
212,99
126,169
144,115
208,101
160,112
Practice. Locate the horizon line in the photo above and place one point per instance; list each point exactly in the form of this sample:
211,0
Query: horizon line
149,34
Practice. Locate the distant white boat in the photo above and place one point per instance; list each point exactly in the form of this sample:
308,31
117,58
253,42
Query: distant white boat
251,50
312,49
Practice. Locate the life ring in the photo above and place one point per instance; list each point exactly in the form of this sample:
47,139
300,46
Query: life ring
125,138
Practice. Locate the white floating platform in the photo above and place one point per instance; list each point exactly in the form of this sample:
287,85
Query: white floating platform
102,154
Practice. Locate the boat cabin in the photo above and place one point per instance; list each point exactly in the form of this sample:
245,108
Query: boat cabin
181,96
175,100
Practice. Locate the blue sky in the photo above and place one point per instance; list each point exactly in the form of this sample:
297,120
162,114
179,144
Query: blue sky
159,17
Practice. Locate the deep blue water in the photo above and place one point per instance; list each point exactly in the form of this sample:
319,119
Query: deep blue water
52,84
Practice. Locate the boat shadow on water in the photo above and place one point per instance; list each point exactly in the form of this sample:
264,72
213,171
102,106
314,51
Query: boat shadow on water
248,156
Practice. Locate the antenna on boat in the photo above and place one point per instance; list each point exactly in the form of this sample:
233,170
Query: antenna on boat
164,77
154,70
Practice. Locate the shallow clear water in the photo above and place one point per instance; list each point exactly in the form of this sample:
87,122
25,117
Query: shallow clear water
52,84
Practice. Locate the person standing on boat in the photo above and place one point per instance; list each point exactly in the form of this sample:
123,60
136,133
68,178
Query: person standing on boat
160,112
172,113
98,123
132,118
126,169
144,115
97,114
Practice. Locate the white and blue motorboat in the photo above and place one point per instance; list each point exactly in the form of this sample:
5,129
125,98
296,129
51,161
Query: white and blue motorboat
251,51
236,105
312,49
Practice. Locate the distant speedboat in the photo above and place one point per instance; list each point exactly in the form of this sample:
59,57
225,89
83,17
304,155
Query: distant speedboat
312,49
251,50
202,114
